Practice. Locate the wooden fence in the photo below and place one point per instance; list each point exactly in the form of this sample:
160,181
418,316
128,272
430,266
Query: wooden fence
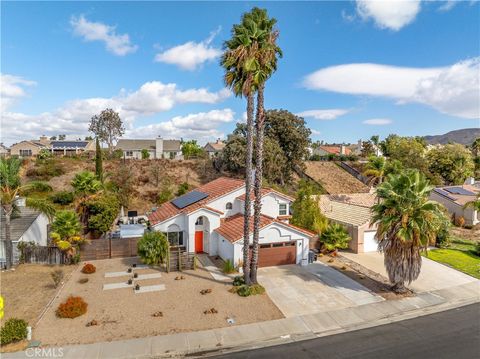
179,259
105,248
43,255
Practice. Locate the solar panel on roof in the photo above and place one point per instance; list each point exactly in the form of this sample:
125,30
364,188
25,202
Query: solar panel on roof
443,193
459,190
188,199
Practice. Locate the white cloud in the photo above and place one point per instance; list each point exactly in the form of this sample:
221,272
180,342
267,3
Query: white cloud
73,117
452,90
315,132
328,114
448,5
378,121
191,55
202,126
392,14
12,89
118,44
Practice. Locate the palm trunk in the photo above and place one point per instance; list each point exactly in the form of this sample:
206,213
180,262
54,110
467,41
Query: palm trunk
257,206
8,236
248,189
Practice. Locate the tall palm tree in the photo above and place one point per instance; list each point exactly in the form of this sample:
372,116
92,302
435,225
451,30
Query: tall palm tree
407,221
265,65
10,190
375,168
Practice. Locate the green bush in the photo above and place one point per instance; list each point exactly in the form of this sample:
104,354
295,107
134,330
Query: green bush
228,267
63,198
334,237
153,248
102,212
477,249
66,224
183,188
46,169
246,290
13,330
145,154
238,281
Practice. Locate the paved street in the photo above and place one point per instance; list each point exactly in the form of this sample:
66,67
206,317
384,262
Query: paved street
450,334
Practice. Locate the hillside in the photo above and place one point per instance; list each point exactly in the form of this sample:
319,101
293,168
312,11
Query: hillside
334,179
465,137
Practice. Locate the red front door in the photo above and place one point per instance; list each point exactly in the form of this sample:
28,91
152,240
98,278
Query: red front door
198,241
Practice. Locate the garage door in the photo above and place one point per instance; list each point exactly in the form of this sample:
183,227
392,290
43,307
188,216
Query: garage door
276,254
370,244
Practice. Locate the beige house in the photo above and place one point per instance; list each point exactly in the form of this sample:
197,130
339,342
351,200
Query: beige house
214,148
58,148
353,211
157,148
4,150
26,148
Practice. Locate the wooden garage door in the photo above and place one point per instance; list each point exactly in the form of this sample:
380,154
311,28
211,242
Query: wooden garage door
276,254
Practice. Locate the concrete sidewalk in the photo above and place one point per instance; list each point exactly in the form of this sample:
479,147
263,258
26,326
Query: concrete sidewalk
242,337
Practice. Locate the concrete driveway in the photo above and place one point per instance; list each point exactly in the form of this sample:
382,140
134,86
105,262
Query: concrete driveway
433,275
297,290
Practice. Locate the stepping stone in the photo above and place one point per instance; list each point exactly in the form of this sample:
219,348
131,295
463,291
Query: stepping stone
148,276
117,274
150,288
117,286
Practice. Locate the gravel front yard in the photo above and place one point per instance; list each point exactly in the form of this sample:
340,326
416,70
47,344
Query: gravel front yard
122,314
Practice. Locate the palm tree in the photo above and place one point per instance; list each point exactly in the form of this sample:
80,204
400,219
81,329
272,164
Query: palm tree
265,65
85,185
407,221
334,237
375,168
10,190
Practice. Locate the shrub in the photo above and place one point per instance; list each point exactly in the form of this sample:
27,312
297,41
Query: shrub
145,154
165,195
477,249
13,330
66,224
83,280
238,281
102,212
63,198
248,290
459,221
57,277
44,154
182,189
46,169
72,308
89,268
334,237
153,248
64,245
228,267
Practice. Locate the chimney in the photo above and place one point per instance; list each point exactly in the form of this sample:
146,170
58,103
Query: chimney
218,140
342,149
44,140
158,147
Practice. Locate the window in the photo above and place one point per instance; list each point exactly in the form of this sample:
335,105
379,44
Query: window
25,153
229,205
175,238
282,209
129,153
172,155
199,221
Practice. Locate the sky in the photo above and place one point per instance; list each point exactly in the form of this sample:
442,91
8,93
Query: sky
351,69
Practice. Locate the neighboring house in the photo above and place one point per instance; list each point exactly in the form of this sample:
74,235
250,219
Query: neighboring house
357,149
28,226
210,220
353,211
26,148
325,150
214,148
4,150
454,198
68,148
157,148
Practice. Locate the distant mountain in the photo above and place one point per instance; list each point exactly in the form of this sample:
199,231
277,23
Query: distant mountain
465,137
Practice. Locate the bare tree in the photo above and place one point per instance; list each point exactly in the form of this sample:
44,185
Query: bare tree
107,126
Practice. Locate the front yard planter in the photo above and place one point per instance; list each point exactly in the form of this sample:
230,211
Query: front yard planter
130,281
137,286
135,275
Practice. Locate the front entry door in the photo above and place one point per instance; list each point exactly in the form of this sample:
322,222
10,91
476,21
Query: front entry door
198,241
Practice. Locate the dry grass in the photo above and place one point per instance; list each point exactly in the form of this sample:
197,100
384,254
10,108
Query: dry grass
122,314
334,179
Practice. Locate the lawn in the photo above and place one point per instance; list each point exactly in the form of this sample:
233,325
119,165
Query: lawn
459,255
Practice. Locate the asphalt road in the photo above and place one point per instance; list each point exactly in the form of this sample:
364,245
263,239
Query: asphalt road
450,334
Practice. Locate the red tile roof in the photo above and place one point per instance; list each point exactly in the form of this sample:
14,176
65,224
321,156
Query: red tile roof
231,228
216,188
335,149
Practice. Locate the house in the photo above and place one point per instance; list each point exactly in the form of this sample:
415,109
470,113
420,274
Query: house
353,211
68,148
213,149
26,148
454,198
357,149
28,226
325,150
157,148
4,150
210,220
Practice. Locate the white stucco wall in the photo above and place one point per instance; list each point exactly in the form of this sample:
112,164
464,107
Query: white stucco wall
225,249
213,223
270,205
220,203
469,214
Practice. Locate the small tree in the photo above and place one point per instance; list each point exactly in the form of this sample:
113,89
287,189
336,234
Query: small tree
153,248
335,237
66,224
107,126
191,149
182,188
306,210
86,183
145,154
98,160
123,181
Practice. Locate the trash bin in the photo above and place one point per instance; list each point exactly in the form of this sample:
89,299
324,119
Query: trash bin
312,256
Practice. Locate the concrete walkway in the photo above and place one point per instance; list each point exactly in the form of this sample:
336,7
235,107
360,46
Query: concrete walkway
216,273
433,276
242,337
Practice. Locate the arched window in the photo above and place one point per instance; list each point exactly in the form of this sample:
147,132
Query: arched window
229,205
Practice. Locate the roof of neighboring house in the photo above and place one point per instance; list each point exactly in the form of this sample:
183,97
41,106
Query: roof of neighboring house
19,224
35,143
68,144
133,144
359,199
172,145
346,213
460,199
214,189
231,228
214,146
264,192
335,149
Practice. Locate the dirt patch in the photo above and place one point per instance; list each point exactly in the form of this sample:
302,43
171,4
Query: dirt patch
122,314
465,233
334,179
369,279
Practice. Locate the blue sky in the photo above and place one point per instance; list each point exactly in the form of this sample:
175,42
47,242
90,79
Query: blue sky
352,69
